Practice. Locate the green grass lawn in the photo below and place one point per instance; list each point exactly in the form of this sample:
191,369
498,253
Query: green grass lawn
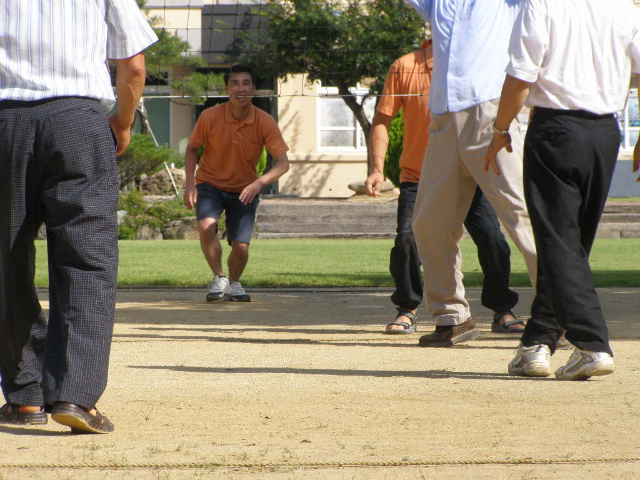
311,262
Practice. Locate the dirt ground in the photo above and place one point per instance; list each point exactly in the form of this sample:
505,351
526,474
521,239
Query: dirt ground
302,384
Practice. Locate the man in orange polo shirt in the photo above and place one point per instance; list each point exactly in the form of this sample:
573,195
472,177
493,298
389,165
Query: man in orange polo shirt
407,87
233,135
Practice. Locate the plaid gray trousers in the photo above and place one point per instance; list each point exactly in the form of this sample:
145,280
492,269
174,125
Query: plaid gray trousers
57,166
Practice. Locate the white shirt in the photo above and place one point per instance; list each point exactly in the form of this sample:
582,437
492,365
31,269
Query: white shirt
470,40
54,48
578,54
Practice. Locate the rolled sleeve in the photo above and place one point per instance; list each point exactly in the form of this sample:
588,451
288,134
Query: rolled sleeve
389,102
528,44
635,53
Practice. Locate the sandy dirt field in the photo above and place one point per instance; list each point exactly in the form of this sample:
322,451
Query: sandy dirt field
302,384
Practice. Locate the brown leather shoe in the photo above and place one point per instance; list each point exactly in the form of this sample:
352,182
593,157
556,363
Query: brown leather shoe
447,336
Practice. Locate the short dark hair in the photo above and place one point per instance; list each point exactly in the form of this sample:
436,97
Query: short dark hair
239,69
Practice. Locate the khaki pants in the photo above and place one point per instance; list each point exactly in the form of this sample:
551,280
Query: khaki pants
453,166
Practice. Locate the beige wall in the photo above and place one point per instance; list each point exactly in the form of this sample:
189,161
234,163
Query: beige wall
314,172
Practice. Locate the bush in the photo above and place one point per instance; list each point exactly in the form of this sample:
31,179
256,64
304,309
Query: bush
142,156
394,151
139,213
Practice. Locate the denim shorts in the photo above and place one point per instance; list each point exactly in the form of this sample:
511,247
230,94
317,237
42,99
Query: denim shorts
239,218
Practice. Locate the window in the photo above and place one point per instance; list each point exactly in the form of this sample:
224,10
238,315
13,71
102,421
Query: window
338,128
629,120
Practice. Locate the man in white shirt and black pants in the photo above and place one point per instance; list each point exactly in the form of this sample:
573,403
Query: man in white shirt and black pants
571,61
57,158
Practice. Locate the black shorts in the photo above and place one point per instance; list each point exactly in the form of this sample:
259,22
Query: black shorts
239,218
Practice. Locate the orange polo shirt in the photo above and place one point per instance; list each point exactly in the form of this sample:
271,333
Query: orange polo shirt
410,74
232,149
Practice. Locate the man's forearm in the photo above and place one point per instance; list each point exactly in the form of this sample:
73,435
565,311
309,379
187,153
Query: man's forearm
279,168
190,161
379,141
130,78
514,94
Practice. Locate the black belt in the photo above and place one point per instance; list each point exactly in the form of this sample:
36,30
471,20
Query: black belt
572,113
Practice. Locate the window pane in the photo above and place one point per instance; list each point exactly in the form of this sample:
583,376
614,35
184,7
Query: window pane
633,137
335,113
336,138
634,117
369,107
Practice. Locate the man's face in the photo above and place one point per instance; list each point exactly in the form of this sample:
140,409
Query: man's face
240,88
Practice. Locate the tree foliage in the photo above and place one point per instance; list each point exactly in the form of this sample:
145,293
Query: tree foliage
142,156
340,44
172,58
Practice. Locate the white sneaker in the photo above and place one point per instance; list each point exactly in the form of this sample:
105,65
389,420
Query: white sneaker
217,288
531,361
583,364
235,293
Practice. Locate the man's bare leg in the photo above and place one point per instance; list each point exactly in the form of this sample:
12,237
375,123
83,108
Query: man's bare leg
210,244
237,260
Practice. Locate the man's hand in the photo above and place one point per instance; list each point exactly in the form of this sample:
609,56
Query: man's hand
249,192
636,159
190,197
373,184
122,133
498,142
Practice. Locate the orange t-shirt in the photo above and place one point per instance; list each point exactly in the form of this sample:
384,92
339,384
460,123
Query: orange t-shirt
410,74
232,149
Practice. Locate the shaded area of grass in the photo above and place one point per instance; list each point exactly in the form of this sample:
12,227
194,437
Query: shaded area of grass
327,262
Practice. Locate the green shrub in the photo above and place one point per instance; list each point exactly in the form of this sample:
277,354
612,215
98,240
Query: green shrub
394,151
142,156
139,213
262,163
133,202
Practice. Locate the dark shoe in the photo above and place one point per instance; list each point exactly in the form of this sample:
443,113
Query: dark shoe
507,327
79,419
15,417
447,336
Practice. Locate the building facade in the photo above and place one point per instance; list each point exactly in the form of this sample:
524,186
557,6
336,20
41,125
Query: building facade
327,148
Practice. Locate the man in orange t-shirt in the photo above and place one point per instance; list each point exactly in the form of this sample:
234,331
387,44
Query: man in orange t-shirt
233,135
407,87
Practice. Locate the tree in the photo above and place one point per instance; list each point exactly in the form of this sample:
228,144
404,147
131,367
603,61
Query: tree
168,53
341,44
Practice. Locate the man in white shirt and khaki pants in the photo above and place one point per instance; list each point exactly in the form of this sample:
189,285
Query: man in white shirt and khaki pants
571,61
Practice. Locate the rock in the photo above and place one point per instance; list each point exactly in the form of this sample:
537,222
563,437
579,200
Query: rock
146,232
160,183
121,216
42,233
183,229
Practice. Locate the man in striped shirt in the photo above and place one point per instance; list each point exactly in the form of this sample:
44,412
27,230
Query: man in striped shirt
57,157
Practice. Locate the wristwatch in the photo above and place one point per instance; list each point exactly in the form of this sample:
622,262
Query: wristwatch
504,133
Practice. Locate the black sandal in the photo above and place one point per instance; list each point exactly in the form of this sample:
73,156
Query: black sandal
407,327
16,417
505,327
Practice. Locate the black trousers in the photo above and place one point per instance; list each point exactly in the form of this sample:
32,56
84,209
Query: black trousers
493,253
57,159
569,158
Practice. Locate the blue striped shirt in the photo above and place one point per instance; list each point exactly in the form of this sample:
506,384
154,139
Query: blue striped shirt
470,49
55,48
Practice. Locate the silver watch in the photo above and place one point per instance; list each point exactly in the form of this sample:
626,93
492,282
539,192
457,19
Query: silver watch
504,133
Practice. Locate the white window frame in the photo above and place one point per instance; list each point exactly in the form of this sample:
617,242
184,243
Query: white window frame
623,120
323,93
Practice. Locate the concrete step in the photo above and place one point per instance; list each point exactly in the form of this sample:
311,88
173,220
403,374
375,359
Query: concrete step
370,218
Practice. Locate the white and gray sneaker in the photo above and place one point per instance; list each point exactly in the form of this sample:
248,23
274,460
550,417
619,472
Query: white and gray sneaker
217,288
235,293
583,364
531,361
